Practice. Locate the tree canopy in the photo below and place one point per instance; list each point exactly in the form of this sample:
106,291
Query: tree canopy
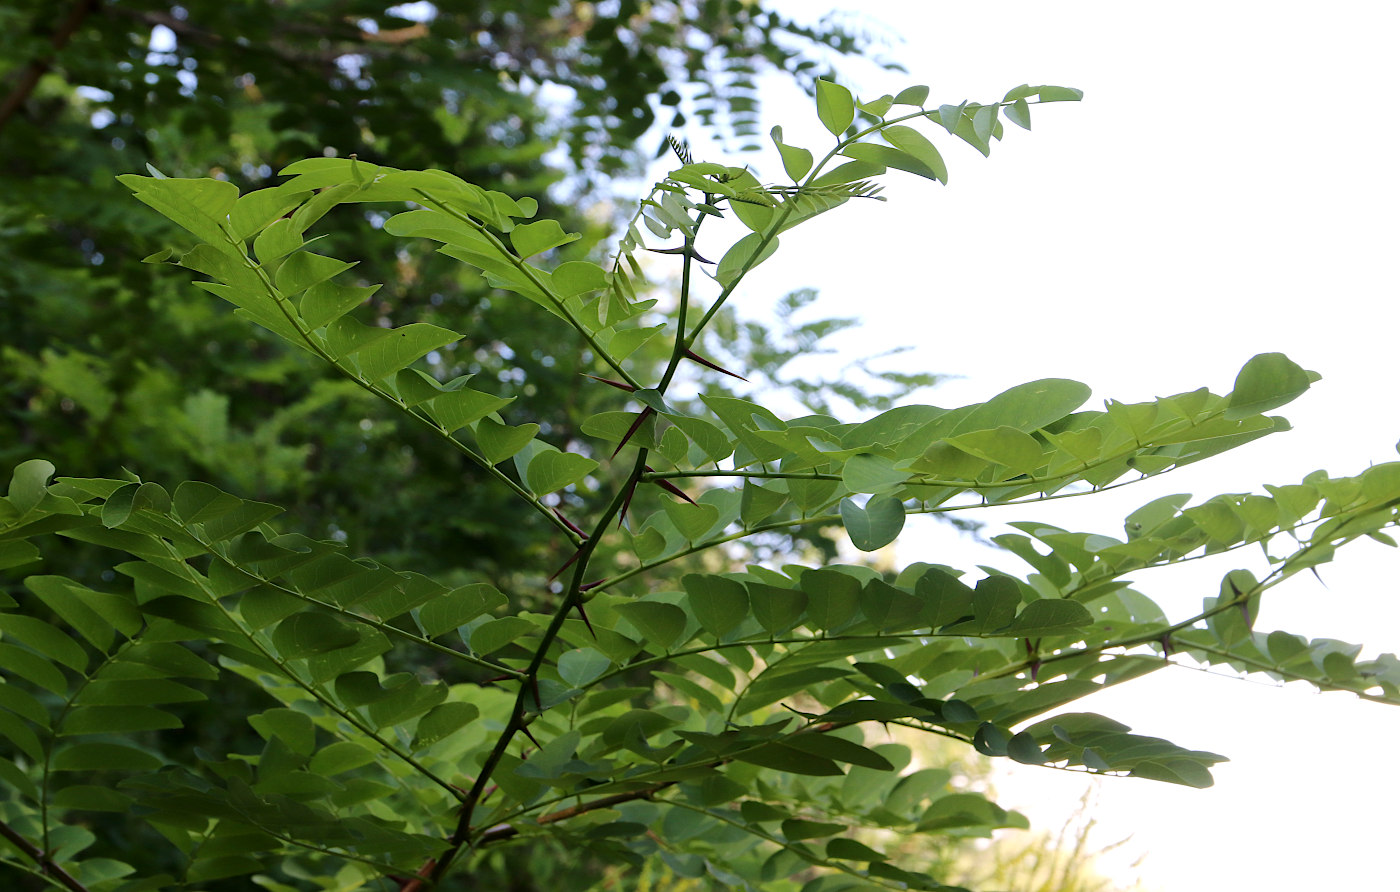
436,547
640,707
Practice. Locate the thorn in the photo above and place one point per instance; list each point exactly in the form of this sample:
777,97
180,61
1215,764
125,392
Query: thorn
594,584
566,565
626,502
1166,646
646,411
684,250
526,732
578,605
670,487
620,385
1035,670
568,523
692,355
1318,575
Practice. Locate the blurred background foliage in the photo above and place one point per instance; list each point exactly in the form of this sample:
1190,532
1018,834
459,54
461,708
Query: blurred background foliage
110,364
541,99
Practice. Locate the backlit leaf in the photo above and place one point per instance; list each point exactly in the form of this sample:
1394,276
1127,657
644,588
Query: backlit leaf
1266,382
875,525
499,442
719,604
551,470
835,107
540,236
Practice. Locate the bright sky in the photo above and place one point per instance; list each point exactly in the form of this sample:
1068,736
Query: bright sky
1226,188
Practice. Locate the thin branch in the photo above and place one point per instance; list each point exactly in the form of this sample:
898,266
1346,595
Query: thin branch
47,867
507,831
529,691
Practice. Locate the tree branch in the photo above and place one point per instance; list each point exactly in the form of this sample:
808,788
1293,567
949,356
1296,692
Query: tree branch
47,867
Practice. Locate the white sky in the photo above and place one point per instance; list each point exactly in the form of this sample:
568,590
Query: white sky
1226,188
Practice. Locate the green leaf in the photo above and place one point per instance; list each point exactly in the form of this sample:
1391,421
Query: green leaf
1059,94
220,515
339,757
890,609
304,269
310,633
458,607
200,206
457,409
576,277
918,146
875,525
887,156
712,441
1026,407
254,211
95,615
401,346
293,728
116,720
1049,616
278,240
535,238
1004,446
1175,771
832,597
743,256
839,749
17,553
719,604
835,107
800,828
29,483
131,498
796,161
781,757
499,442
496,634
363,688
104,757
850,850
1266,382
660,624
582,665
551,470
872,474
442,721
1024,749
693,521
18,732
758,503
44,638
326,302
776,608
1019,113
915,96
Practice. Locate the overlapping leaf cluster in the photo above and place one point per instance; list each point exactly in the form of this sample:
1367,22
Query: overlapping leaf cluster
718,722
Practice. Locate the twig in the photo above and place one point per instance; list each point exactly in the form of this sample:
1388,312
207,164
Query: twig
47,866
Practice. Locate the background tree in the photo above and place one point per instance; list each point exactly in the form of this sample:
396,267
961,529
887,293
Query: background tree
508,95
114,365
